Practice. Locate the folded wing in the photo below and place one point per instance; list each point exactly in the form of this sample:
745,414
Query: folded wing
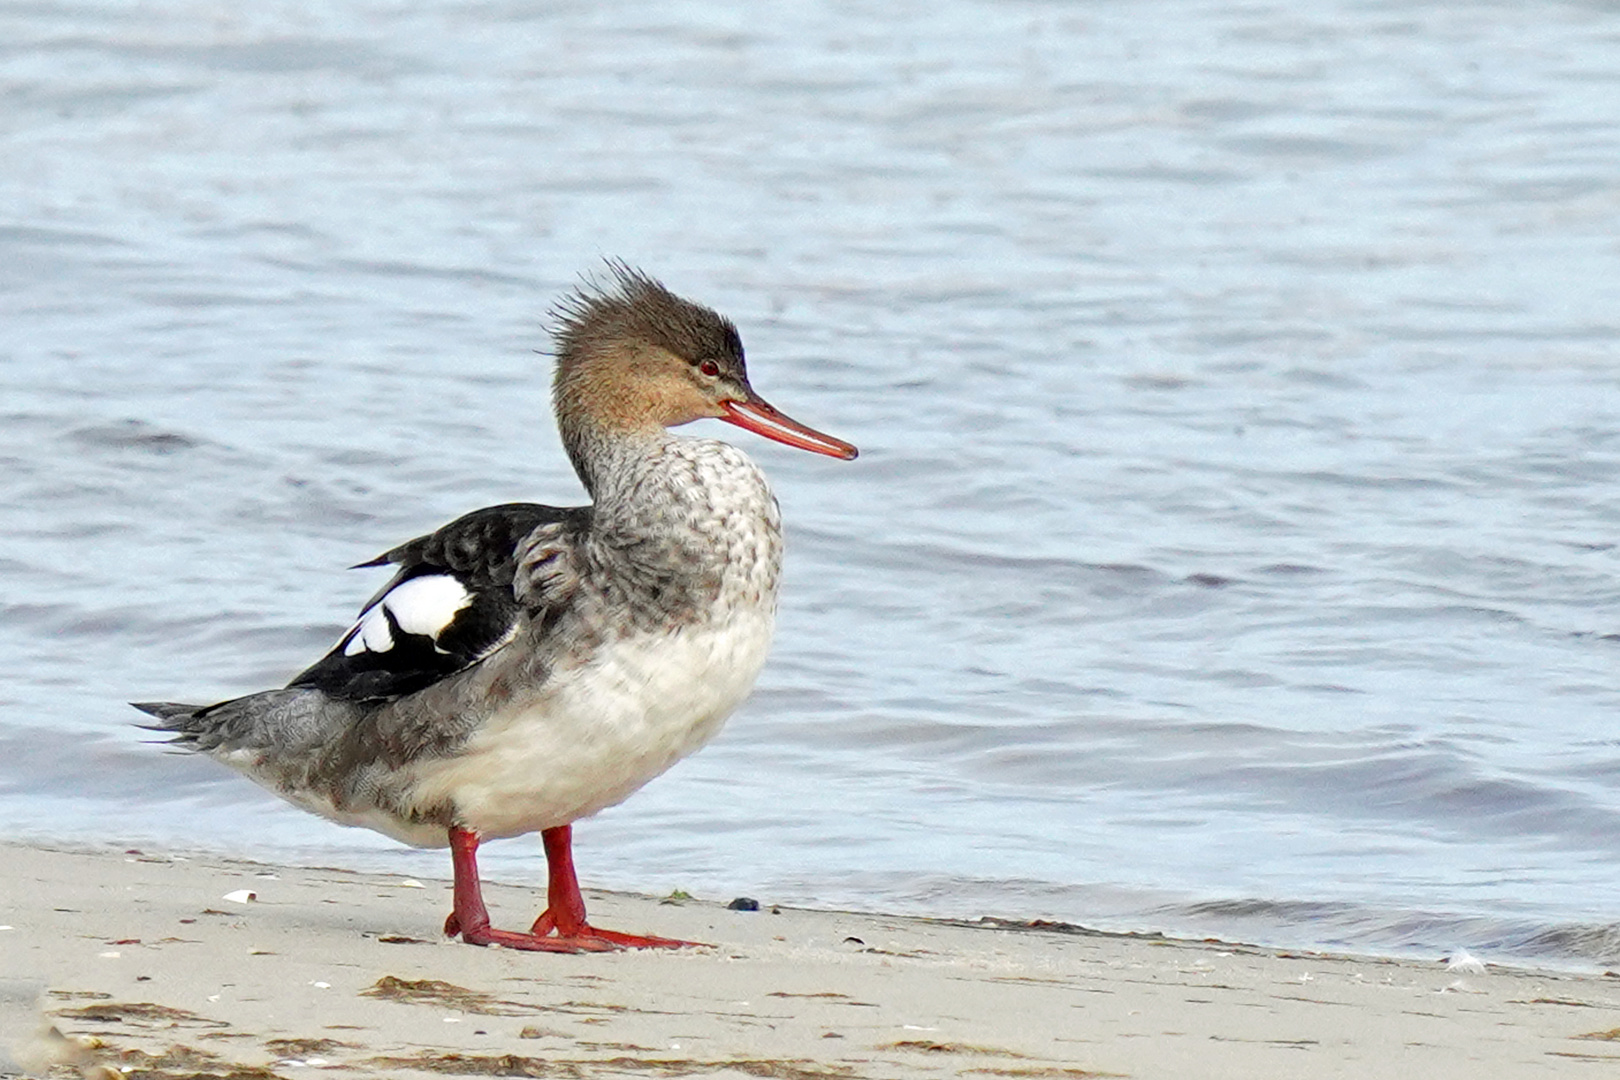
450,605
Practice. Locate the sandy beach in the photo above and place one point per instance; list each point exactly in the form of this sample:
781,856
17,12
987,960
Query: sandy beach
155,965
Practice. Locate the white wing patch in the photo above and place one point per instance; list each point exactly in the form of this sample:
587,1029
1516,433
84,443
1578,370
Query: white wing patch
370,634
423,605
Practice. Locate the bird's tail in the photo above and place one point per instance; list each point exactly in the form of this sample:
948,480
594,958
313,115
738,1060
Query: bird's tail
172,714
173,717
296,742
280,721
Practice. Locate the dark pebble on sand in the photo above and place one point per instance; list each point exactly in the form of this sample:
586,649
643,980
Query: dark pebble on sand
744,903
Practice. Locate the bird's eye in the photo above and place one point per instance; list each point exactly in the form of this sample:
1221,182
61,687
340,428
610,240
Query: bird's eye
709,368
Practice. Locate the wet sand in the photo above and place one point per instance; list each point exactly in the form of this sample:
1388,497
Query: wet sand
157,966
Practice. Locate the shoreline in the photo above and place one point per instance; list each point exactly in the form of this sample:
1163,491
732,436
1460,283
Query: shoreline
157,966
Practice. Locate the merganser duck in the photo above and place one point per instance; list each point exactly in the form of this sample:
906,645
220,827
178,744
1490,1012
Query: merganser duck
528,665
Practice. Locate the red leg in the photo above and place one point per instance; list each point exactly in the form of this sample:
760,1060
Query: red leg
564,916
470,918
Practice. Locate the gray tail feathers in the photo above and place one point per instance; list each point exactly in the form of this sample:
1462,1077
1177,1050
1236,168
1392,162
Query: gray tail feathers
172,716
283,721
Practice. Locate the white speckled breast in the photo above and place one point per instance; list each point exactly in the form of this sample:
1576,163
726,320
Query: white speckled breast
670,616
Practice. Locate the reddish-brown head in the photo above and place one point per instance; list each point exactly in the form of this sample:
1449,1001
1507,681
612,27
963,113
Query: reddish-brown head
632,356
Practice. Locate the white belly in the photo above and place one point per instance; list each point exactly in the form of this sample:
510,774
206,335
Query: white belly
600,731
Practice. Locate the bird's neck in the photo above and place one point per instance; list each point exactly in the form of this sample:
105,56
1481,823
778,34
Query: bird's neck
609,457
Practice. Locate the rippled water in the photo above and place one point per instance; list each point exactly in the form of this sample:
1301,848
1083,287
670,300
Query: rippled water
1233,545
